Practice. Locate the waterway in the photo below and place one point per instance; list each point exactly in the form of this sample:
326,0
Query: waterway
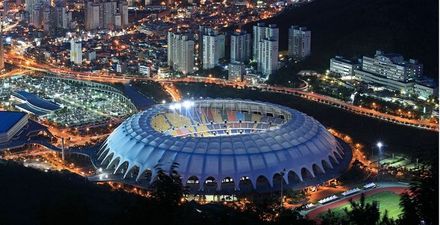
141,101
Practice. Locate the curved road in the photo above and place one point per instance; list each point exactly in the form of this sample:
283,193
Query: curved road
109,78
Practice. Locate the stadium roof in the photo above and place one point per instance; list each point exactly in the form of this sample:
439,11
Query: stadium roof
8,119
301,145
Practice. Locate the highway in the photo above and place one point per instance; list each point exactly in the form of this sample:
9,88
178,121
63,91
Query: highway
167,84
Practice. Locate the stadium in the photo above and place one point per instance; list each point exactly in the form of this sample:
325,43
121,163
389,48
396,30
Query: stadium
224,146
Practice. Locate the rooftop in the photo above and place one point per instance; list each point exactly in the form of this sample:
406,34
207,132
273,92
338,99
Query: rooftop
8,119
37,101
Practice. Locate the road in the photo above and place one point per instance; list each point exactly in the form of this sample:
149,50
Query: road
106,77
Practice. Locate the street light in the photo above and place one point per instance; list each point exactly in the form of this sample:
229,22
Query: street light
379,146
282,182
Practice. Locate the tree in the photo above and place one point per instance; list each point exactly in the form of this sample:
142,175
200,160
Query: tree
331,218
409,215
292,217
419,204
167,186
363,213
386,220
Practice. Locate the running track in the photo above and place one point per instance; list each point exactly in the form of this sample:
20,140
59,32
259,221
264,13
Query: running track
314,213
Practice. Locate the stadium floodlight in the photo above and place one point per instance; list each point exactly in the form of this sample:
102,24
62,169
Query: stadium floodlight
188,104
379,145
175,106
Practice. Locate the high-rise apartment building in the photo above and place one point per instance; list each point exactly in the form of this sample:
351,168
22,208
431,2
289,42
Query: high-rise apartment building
63,17
181,52
40,14
240,47
265,51
299,45
213,48
269,57
76,51
107,14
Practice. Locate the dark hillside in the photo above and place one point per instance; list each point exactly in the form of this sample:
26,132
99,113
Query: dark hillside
359,27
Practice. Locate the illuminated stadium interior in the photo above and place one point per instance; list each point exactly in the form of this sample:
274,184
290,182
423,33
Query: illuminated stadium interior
208,119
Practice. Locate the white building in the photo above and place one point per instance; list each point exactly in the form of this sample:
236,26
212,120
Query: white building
76,51
423,91
145,70
180,52
163,72
265,51
299,45
392,66
269,63
213,49
366,77
343,67
391,71
240,46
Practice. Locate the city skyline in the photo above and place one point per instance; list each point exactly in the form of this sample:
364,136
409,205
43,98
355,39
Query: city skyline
219,112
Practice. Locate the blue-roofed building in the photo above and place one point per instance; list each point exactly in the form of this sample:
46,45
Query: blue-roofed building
223,146
11,123
17,131
34,104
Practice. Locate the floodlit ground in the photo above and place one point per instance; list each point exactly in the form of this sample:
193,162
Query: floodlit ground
388,201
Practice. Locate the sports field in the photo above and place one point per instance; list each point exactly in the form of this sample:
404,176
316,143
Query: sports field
387,201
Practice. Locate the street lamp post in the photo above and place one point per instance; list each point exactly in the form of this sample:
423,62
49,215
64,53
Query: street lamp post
379,146
282,182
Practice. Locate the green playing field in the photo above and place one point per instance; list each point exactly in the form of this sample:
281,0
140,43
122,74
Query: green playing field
387,201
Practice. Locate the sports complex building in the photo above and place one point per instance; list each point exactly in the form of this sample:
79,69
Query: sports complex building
33,104
17,131
224,146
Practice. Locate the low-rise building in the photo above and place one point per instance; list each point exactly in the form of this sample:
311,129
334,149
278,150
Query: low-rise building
343,67
12,123
366,77
145,70
393,72
423,91
235,72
